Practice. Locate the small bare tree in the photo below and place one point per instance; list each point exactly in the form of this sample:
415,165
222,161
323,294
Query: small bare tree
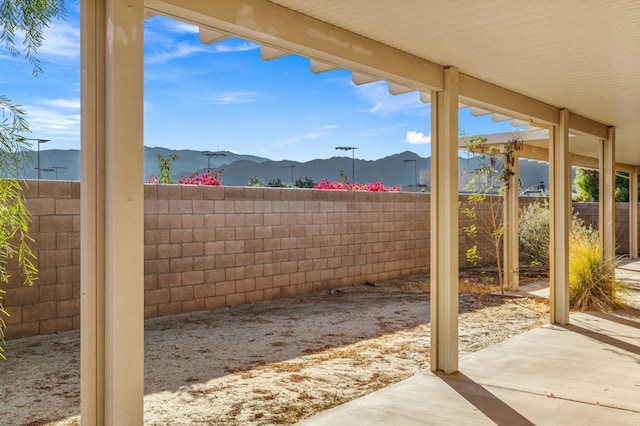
488,187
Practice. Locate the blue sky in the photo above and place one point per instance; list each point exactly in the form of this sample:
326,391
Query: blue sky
223,97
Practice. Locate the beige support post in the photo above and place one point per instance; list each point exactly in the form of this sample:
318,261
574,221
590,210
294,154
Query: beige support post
607,204
511,252
560,218
112,213
633,213
444,225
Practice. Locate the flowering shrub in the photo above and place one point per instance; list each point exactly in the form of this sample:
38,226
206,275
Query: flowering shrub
376,186
153,180
208,178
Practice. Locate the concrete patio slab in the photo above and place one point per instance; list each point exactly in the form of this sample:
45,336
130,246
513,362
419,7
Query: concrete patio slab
587,373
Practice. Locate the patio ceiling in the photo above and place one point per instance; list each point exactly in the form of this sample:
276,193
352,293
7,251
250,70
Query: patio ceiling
583,56
579,55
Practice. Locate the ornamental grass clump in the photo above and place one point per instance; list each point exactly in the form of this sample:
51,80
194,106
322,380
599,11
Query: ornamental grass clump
592,280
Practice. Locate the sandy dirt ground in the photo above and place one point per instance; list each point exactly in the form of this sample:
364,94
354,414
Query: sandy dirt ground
269,363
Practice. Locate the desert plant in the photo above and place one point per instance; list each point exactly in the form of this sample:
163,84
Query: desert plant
276,183
255,181
165,168
307,182
489,186
534,233
592,280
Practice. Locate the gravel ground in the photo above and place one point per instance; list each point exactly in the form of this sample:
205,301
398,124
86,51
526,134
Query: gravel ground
269,363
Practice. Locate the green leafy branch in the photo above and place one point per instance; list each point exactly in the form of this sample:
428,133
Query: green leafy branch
15,218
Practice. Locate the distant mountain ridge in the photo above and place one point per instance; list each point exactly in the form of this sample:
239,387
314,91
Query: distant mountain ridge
397,169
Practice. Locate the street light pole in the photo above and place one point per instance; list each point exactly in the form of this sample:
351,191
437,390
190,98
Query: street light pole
40,141
56,169
353,159
290,166
415,169
210,154
47,169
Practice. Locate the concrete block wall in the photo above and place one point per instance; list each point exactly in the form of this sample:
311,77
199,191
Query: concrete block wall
589,212
210,247
53,303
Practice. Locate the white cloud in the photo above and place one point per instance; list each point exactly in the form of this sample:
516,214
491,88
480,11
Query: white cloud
179,50
417,138
56,119
383,103
235,46
62,41
232,98
180,27
41,119
329,127
63,103
169,50
320,132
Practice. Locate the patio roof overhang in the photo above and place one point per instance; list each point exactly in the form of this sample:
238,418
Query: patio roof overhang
292,29
525,62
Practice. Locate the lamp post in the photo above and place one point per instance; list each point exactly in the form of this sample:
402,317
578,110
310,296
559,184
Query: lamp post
46,169
40,141
290,166
210,154
415,169
353,159
56,169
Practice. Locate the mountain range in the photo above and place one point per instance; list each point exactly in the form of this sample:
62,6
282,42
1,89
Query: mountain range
237,169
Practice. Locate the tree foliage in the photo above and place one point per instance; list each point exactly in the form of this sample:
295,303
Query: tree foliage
276,183
622,187
165,168
534,234
307,182
27,19
586,181
22,23
14,215
588,186
255,181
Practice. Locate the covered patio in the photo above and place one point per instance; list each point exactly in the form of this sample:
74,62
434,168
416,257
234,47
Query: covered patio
584,372
569,68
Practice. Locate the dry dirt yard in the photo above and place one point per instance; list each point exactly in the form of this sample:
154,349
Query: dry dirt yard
269,363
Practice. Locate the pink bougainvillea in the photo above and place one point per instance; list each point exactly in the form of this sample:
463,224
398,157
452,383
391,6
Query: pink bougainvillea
208,178
376,186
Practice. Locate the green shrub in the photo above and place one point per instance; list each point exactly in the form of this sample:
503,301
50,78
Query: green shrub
534,233
592,280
